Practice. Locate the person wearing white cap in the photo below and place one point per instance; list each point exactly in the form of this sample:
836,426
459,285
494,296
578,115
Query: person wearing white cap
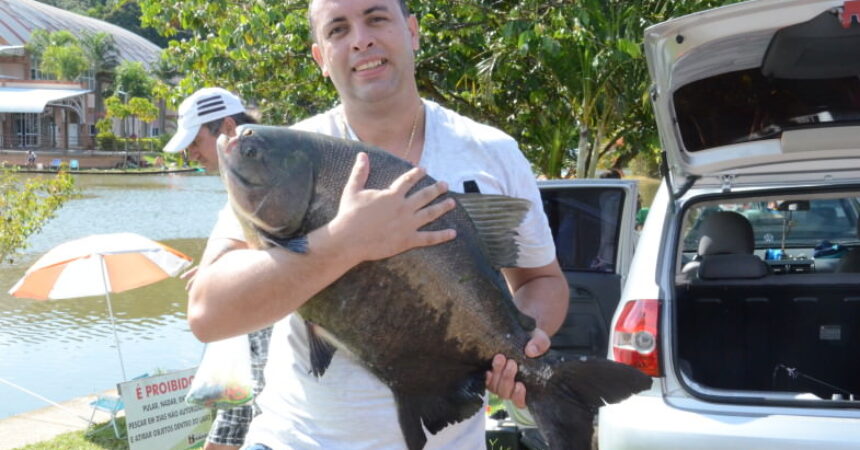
203,116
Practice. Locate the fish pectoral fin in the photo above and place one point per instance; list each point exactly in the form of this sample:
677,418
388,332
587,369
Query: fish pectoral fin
321,350
435,412
295,245
496,218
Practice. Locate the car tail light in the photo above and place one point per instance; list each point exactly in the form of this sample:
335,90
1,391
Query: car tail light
635,340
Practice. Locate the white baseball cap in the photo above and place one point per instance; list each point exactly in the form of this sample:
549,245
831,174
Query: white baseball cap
203,106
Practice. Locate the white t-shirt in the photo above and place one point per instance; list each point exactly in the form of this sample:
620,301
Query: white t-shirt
348,407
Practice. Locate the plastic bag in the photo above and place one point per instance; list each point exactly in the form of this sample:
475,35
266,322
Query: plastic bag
224,379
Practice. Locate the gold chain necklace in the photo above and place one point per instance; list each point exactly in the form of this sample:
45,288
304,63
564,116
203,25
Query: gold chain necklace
411,133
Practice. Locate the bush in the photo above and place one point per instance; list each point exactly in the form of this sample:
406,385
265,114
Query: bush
163,139
106,141
142,144
104,125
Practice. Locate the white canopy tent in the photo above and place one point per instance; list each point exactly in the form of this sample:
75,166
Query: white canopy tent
33,100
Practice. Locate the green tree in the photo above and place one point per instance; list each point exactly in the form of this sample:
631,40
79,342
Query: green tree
145,111
164,73
59,54
258,49
116,108
26,205
77,6
126,14
64,63
569,81
133,79
142,109
39,41
103,55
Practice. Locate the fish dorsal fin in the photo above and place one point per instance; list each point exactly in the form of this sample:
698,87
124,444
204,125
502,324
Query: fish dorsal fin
496,218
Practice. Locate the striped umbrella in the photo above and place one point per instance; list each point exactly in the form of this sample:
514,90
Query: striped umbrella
98,265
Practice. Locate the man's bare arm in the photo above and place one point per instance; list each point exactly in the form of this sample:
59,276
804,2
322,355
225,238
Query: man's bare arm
541,293
215,248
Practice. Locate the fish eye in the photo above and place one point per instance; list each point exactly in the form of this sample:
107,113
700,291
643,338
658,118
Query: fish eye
250,151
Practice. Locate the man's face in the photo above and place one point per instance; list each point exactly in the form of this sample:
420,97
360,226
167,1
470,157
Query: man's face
203,149
366,47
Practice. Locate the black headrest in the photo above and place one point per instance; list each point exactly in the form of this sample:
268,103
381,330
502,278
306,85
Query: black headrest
850,262
726,232
722,267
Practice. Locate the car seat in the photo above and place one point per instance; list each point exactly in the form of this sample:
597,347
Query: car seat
850,262
725,250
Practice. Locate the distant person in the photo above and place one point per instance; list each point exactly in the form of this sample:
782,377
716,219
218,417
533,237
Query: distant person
612,173
610,202
205,115
31,159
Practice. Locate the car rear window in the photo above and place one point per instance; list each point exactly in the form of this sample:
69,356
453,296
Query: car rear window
745,106
807,224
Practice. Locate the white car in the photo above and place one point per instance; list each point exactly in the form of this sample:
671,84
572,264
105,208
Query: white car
743,297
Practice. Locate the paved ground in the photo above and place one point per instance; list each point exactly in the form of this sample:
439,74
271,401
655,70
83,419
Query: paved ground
43,424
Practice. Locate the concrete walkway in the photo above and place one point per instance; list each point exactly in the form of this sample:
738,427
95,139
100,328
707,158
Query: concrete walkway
87,159
46,423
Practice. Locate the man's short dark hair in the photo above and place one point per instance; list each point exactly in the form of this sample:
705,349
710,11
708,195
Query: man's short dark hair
404,8
240,119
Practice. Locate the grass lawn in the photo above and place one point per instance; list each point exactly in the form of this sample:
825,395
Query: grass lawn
86,439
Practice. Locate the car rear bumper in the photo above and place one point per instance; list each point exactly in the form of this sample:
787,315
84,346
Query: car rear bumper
647,422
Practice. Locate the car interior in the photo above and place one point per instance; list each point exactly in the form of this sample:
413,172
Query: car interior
768,297
586,224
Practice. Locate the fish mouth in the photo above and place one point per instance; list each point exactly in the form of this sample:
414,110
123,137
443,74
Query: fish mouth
243,180
370,65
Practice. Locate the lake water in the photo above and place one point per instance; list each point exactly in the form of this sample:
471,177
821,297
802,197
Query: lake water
63,349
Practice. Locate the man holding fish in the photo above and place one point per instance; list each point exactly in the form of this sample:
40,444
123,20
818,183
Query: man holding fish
367,49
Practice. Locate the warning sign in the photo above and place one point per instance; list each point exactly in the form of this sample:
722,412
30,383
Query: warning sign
157,416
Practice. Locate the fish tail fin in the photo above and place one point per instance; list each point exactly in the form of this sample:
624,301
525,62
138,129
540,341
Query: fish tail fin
564,408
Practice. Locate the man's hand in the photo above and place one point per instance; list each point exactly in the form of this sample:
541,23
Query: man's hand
380,223
501,380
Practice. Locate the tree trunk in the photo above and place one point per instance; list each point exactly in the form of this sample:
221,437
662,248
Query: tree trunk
582,152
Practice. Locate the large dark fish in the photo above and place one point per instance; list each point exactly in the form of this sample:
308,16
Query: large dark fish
428,321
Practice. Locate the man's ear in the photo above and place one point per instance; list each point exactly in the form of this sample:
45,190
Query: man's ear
316,52
228,126
415,31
